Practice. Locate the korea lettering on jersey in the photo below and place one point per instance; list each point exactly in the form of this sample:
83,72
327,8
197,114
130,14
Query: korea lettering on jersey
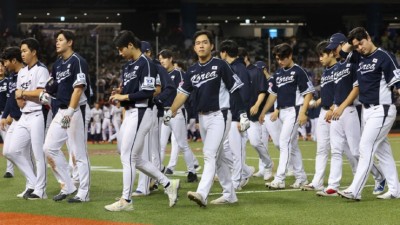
69,74
345,77
290,85
377,73
136,76
30,79
327,86
214,79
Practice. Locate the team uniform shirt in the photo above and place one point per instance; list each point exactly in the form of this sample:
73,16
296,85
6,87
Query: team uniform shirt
213,79
168,90
345,77
259,84
290,85
327,87
97,115
239,68
12,108
116,113
138,81
377,74
30,79
68,74
3,93
178,77
106,112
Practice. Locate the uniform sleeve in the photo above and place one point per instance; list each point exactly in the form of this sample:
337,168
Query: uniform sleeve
79,70
272,88
231,79
43,76
147,76
262,82
353,74
391,70
304,83
168,87
177,79
187,87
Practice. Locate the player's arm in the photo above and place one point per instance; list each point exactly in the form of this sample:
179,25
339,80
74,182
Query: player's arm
337,112
179,100
302,119
76,96
270,102
254,109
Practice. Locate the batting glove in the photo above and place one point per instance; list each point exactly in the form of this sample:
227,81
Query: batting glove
244,122
44,98
167,117
66,120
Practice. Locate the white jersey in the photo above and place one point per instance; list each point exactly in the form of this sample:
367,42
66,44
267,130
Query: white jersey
32,79
97,115
116,113
106,112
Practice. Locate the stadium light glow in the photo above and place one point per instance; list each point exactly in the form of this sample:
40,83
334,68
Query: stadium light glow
62,18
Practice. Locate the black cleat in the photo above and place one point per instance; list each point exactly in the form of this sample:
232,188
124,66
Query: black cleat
75,199
8,175
28,193
61,196
191,177
168,171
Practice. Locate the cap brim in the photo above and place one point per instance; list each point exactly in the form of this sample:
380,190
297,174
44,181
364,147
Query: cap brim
332,46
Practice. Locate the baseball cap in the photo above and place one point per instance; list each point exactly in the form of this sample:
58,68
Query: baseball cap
260,64
335,40
145,46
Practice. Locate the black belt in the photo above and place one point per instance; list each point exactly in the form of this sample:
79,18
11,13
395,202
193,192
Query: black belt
209,112
367,106
63,107
326,107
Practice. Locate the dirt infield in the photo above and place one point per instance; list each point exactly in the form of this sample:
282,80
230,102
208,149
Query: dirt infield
23,218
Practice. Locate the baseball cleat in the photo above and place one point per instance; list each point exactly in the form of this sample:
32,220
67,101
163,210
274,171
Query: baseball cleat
197,168
8,175
172,191
27,193
268,174
348,195
310,187
138,194
121,205
61,196
299,183
327,192
168,171
196,197
275,185
76,199
387,195
191,177
379,187
221,201
259,173
36,197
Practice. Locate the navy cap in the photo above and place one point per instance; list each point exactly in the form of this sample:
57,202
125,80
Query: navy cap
260,64
336,40
145,46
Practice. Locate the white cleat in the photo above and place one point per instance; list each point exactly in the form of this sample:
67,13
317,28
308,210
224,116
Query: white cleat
196,197
268,174
172,191
310,187
299,183
221,201
275,185
387,195
121,205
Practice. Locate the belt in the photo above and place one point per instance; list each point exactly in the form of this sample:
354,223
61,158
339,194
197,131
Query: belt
63,107
326,107
26,113
209,112
367,106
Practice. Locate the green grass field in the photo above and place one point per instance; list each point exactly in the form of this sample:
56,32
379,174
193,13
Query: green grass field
256,205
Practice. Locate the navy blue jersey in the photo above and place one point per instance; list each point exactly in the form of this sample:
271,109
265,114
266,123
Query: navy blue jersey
3,93
376,75
68,74
259,84
11,107
168,89
345,77
290,85
138,81
239,68
327,87
212,83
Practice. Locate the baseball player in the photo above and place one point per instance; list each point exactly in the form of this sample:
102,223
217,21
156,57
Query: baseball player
12,113
137,88
29,131
116,113
95,126
292,89
3,99
377,74
106,125
235,142
68,84
214,84
177,124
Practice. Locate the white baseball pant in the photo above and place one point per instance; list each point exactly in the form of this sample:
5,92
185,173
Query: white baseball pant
10,165
106,126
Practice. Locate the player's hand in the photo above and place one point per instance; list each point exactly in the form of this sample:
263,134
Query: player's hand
254,110
118,97
116,91
328,116
167,117
274,116
261,118
302,119
21,102
3,124
44,98
66,120
18,94
337,112
244,122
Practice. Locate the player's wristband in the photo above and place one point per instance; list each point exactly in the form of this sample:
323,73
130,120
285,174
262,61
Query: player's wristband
70,111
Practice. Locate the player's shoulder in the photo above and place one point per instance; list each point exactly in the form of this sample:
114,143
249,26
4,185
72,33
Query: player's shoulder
300,69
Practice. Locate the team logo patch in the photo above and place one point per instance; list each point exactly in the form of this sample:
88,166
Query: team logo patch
292,73
375,60
214,67
397,73
69,65
348,64
309,84
270,84
136,67
149,83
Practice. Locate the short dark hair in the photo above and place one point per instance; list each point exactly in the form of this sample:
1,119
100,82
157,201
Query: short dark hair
242,52
205,32
321,48
166,54
11,53
69,36
230,47
357,33
32,44
282,50
125,37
